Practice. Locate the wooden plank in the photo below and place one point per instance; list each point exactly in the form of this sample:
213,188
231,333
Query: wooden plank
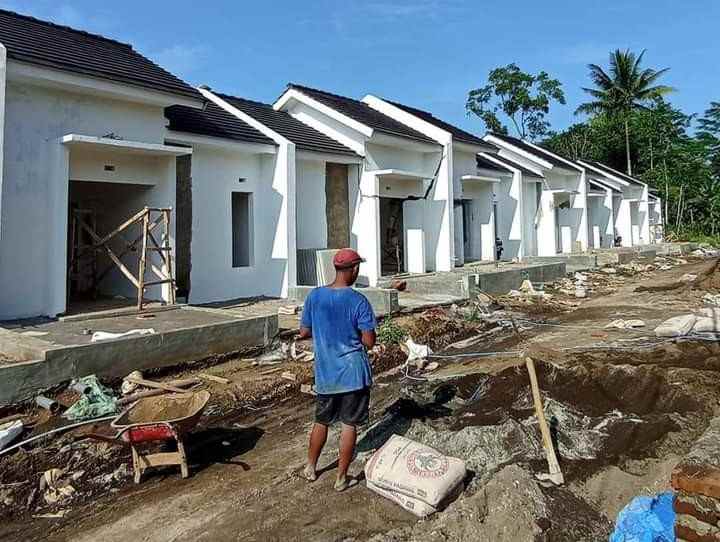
127,249
169,257
159,459
153,384
125,271
213,378
143,256
553,465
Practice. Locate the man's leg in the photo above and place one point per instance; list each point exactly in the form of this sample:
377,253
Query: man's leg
318,436
348,436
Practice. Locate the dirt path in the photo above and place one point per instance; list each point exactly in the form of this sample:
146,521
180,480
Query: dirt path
246,484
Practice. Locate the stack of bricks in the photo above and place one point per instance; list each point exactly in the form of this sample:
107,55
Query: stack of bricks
696,480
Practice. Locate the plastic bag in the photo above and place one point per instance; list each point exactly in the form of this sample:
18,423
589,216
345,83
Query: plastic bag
646,519
99,401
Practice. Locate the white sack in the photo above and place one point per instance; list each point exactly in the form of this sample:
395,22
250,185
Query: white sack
677,326
415,470
416,506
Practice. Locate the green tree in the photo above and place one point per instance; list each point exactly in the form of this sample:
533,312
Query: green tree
522,97
625,89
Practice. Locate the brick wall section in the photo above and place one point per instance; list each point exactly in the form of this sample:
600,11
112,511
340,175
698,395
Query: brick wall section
696,481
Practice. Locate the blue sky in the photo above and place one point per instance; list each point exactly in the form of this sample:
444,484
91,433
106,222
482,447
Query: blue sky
425,53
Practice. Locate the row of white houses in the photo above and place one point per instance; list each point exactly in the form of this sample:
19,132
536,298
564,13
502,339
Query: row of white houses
91,126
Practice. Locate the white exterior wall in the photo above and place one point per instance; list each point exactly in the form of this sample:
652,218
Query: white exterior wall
3,80
644,212
482,236
311,203
33,246
510,216
601,217
215,174
546,227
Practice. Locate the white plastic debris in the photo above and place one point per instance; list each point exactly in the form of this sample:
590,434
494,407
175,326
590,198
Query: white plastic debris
625,324
107,335
688,277
10,432
609,270
677,326
127,387
712,299
417,353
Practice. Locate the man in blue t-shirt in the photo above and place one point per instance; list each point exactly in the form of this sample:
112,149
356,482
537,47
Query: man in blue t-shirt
342,324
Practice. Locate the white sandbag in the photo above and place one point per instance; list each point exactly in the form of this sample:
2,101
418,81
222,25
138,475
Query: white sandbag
707,324
415,470
416,506
677,326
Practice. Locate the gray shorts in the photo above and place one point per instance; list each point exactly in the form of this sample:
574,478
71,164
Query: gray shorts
350,408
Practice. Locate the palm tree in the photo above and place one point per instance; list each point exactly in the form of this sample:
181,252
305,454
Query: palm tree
626,88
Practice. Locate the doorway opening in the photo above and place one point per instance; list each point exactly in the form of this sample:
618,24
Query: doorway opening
392,242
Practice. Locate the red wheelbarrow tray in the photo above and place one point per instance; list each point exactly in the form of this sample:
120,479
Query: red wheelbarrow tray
161,417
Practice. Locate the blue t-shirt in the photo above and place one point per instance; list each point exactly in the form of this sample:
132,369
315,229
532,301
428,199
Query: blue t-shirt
336,317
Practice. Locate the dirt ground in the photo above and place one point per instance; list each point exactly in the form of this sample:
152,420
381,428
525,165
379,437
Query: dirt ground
623,408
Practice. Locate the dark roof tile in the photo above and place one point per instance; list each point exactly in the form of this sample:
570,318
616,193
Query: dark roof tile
363,113
615,172
457,133
60,47
548,156
212,121
510,163
304,136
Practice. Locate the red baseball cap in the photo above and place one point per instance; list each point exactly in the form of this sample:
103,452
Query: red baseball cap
346,258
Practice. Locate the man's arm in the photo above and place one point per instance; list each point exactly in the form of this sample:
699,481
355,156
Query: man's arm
368,339
306,333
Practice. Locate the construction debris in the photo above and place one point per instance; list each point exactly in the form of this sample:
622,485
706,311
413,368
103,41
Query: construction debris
625,324
9,432
56,487
288,310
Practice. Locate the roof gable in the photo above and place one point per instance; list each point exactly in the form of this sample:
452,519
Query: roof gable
63,48
304,136
362,113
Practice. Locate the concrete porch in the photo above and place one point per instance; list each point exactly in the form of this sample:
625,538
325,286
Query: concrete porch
43,353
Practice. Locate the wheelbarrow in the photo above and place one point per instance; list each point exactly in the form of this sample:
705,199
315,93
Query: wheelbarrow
157,419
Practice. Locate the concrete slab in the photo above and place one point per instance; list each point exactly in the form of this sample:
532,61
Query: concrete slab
466,282
383,300
574,263
623,255
64,351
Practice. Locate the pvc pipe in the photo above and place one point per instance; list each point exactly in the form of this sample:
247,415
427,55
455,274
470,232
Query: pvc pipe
57,430
47,403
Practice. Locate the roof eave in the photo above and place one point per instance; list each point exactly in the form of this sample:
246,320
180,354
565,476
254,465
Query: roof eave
59,78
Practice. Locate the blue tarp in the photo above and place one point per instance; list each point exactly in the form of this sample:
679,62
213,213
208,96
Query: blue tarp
646,519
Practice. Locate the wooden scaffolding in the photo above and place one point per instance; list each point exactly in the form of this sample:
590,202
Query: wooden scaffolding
83,256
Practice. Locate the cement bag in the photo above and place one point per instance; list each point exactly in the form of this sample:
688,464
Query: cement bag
416,506
678,326
414,470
